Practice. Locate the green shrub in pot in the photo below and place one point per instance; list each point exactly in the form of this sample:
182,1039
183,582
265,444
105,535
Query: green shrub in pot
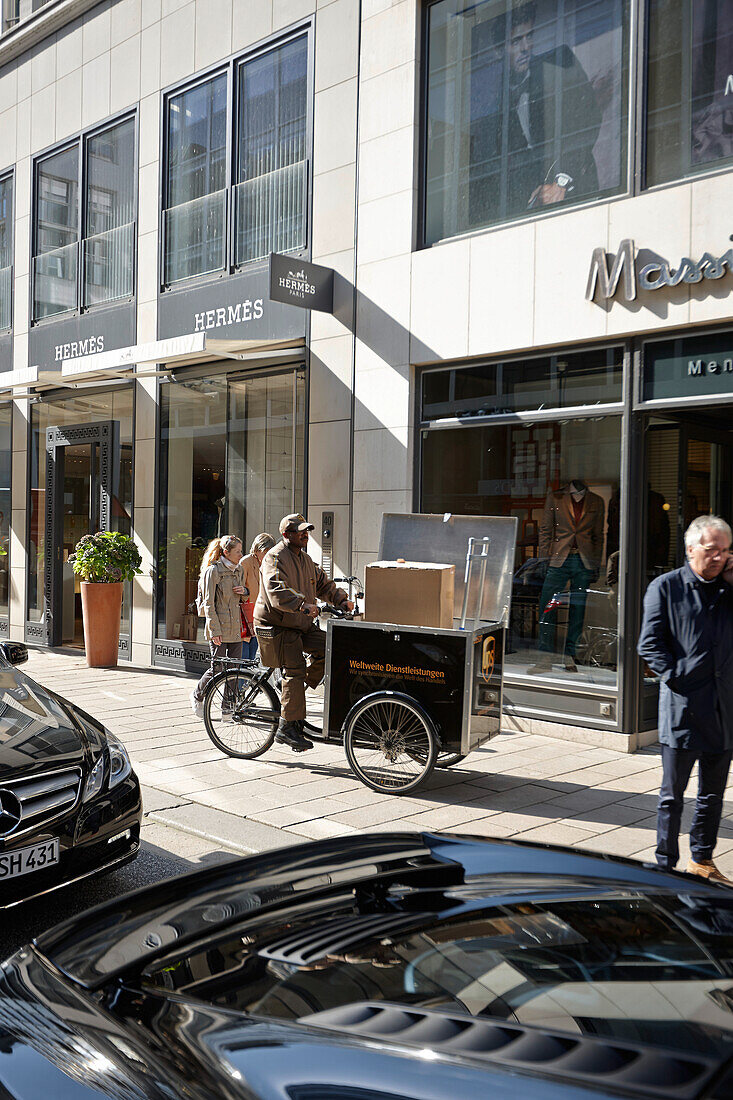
106,558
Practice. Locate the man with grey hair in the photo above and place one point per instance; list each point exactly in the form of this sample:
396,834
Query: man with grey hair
687,639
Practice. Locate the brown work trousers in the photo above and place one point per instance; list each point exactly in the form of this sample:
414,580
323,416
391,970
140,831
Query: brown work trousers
285,649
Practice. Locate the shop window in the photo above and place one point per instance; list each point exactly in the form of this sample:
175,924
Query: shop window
689,88
561,480
5,453
526,109
268,180
231,462
6,253
548,381
83,260
195,218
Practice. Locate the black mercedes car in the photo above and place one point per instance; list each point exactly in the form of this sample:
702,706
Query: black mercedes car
69,800
383,967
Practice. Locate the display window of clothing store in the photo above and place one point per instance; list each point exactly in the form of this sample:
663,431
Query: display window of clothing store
513,454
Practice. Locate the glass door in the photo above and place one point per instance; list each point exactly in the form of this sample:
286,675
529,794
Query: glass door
79,504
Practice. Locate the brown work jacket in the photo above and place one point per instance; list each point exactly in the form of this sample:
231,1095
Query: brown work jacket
287,581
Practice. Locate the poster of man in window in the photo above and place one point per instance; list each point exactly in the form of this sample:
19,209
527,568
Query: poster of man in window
545,78
712,81
526,107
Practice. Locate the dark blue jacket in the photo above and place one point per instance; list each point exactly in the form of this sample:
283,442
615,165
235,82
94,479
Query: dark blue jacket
688,640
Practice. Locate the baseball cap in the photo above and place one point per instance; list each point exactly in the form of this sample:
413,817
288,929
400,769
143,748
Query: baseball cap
296,522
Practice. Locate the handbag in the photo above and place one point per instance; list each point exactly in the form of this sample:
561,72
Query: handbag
246,611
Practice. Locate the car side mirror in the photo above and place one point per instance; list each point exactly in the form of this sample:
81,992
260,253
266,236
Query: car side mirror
15,653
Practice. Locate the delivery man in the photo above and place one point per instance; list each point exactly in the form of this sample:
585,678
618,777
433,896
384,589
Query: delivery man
284,618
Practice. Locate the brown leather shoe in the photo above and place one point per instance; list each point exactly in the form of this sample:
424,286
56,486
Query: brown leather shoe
707,869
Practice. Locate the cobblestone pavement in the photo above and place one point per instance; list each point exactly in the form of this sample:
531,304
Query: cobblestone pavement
519,785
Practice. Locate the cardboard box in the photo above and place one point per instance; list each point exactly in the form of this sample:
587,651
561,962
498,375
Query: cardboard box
410,593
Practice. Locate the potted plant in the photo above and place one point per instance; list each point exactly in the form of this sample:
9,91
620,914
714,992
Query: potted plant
104,562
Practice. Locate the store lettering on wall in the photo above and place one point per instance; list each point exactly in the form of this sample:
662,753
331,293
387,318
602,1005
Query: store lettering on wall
712,366
607,270
91,346
222,316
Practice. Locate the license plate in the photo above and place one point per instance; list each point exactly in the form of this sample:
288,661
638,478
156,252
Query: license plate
25,860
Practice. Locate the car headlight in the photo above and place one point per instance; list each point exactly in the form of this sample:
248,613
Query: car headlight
119,761
95,779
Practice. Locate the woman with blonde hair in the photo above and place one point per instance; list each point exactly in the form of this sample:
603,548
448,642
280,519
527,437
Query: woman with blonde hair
251,565
221,592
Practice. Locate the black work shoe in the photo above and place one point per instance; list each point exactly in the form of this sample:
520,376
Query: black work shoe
290,733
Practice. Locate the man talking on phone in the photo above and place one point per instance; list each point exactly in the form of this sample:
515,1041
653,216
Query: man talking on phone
285,623
687,638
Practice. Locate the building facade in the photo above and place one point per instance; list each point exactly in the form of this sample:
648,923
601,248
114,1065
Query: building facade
524,208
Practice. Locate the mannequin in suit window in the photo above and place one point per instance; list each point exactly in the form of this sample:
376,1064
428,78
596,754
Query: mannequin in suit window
571,538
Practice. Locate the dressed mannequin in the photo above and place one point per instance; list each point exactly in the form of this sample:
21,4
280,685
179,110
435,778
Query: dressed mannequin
571,538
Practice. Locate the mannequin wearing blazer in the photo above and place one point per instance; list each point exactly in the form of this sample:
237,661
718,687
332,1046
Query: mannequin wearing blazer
571,539
561,531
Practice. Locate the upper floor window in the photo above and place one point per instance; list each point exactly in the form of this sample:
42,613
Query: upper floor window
6,253
689,87
84,239
264,170
526,109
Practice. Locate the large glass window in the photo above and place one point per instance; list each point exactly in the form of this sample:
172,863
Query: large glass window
689,87
270,173
231,462
6,253
105,234
271,163
526,108
5,503
109,244
57,233
79,501
561,479
195,220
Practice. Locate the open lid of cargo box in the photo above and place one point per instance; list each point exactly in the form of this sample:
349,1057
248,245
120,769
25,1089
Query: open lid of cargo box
443,540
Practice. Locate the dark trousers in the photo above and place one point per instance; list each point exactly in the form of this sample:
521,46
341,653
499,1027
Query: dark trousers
677,766
226,649
571,571
285,649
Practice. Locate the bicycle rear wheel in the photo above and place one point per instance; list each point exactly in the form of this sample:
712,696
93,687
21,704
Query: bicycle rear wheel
241,713
390,742
448,759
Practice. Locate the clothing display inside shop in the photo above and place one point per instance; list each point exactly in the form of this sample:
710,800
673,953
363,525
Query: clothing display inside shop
571,540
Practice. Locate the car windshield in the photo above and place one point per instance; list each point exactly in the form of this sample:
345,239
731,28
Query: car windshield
647,968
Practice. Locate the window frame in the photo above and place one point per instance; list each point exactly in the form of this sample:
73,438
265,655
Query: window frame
80,141
231,67
9,174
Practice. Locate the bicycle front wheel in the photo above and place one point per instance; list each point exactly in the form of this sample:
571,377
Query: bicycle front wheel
241,713
390,742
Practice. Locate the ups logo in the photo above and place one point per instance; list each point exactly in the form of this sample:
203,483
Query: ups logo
488,657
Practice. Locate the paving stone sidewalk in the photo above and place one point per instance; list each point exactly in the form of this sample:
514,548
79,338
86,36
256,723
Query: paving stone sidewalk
519,785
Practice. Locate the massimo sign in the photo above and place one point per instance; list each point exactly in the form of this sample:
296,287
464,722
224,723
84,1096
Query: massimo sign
607,270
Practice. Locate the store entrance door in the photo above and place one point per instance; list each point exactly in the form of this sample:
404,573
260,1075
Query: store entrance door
82,475
689,461
689,474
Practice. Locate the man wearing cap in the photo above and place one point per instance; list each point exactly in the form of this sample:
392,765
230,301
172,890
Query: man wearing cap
284,618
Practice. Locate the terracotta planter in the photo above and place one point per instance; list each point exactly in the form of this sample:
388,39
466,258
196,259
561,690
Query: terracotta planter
101,605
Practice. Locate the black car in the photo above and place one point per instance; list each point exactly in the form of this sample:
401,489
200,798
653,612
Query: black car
69,801
387,966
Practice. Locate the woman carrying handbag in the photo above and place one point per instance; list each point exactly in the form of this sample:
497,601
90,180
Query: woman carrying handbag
221,592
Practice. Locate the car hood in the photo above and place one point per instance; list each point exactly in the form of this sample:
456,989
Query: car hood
36,730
